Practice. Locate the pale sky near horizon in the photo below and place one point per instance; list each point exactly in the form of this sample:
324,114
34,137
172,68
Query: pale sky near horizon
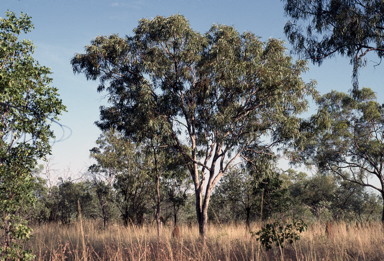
64,27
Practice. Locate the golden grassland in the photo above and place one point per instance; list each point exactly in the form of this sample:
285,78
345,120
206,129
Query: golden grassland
88,241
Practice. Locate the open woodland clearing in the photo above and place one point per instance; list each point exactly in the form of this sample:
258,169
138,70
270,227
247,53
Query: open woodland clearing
193,128
227,242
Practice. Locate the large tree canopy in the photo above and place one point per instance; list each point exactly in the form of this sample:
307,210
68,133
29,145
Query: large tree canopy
324,28
214,98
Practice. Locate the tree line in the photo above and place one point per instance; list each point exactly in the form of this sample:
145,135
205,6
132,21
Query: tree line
239,198
215,109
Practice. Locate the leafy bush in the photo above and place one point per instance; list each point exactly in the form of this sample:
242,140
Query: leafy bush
278,233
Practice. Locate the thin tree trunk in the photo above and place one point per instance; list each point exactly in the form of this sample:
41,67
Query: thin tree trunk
175,214
158,206
248,216
158,221
261,207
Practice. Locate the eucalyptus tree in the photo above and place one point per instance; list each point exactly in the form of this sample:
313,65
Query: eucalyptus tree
28,105
345,137
214,96
321,29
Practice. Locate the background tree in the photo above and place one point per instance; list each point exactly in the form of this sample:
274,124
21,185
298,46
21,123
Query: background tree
127,163
321,29
317,194
355,202
225,91
166,164
105,197
28,105
275,198
177,186
70,194
235,193
346,138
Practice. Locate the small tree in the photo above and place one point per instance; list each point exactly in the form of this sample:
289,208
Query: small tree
28,105
127,164
214,96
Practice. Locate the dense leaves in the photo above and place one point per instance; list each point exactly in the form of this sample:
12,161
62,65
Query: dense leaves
127,164
345,137
213,96
28,105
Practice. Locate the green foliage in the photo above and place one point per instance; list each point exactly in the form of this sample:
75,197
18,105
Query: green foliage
28,104
70,194
345,138
321,29
129,165
316,193
279,233
224,90
234,198
275,197
105,198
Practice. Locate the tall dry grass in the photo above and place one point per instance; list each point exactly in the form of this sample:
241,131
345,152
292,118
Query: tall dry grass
232,242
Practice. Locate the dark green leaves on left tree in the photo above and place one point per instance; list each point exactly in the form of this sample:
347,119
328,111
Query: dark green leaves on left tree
28,106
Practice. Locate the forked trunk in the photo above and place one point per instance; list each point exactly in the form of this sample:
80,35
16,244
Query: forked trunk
202,214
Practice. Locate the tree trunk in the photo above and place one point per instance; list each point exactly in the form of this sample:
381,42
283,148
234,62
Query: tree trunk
7,233
202,213
382,216
248,210
203,224
158,206
158,221
175,214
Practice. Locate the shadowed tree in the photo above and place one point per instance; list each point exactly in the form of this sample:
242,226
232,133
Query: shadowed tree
214,96
324,28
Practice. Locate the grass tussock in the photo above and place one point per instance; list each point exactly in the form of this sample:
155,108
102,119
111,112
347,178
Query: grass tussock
231,242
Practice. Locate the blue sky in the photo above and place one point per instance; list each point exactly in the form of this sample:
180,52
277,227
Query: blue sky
64,27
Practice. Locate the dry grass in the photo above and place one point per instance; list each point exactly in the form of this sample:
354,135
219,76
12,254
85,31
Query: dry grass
57,242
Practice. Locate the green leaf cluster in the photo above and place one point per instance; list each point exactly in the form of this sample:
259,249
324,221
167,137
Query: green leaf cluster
28,106
278,233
